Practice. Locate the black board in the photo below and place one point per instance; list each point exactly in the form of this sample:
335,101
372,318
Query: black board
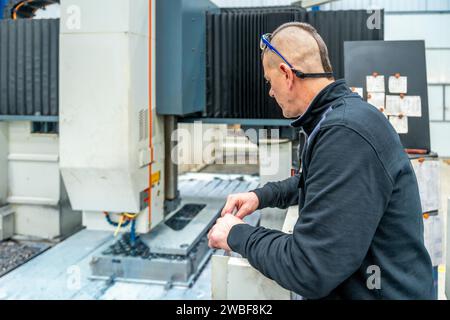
362,58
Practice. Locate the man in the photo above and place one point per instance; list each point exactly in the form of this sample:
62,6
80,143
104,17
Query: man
360,231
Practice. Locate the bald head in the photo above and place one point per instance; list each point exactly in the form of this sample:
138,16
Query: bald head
302,46
304,49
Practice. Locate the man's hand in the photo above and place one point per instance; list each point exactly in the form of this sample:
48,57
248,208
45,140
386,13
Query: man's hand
218,234
245,203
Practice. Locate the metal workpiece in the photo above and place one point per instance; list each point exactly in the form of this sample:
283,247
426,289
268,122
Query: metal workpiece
170,270
165,255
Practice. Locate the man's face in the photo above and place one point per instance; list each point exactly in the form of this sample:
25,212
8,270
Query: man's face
283,89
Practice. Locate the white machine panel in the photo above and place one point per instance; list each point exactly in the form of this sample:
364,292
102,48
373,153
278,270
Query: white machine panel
33,171
104,116
105,16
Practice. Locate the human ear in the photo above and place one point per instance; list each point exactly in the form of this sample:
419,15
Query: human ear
288,74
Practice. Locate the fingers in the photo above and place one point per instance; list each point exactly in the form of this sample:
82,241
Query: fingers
210,240
243,212
218,234
229,206
210,244
210,231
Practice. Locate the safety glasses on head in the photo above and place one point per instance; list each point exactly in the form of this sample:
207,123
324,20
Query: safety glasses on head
265,44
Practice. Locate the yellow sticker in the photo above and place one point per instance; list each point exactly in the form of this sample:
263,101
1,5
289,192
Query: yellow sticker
156,177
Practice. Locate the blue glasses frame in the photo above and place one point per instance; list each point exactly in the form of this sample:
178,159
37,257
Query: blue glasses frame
265,43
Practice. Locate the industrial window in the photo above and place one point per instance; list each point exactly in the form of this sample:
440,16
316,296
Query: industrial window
44,128
439,100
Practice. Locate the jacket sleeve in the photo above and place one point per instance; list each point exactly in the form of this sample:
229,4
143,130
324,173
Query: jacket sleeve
282,194
347,191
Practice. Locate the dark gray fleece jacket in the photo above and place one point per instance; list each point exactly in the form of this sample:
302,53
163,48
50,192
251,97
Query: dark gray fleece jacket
360,230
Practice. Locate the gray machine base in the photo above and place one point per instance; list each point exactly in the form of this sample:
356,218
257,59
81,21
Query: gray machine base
164,271
177,259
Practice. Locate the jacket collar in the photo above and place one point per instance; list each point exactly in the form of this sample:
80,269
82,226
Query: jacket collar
320,104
